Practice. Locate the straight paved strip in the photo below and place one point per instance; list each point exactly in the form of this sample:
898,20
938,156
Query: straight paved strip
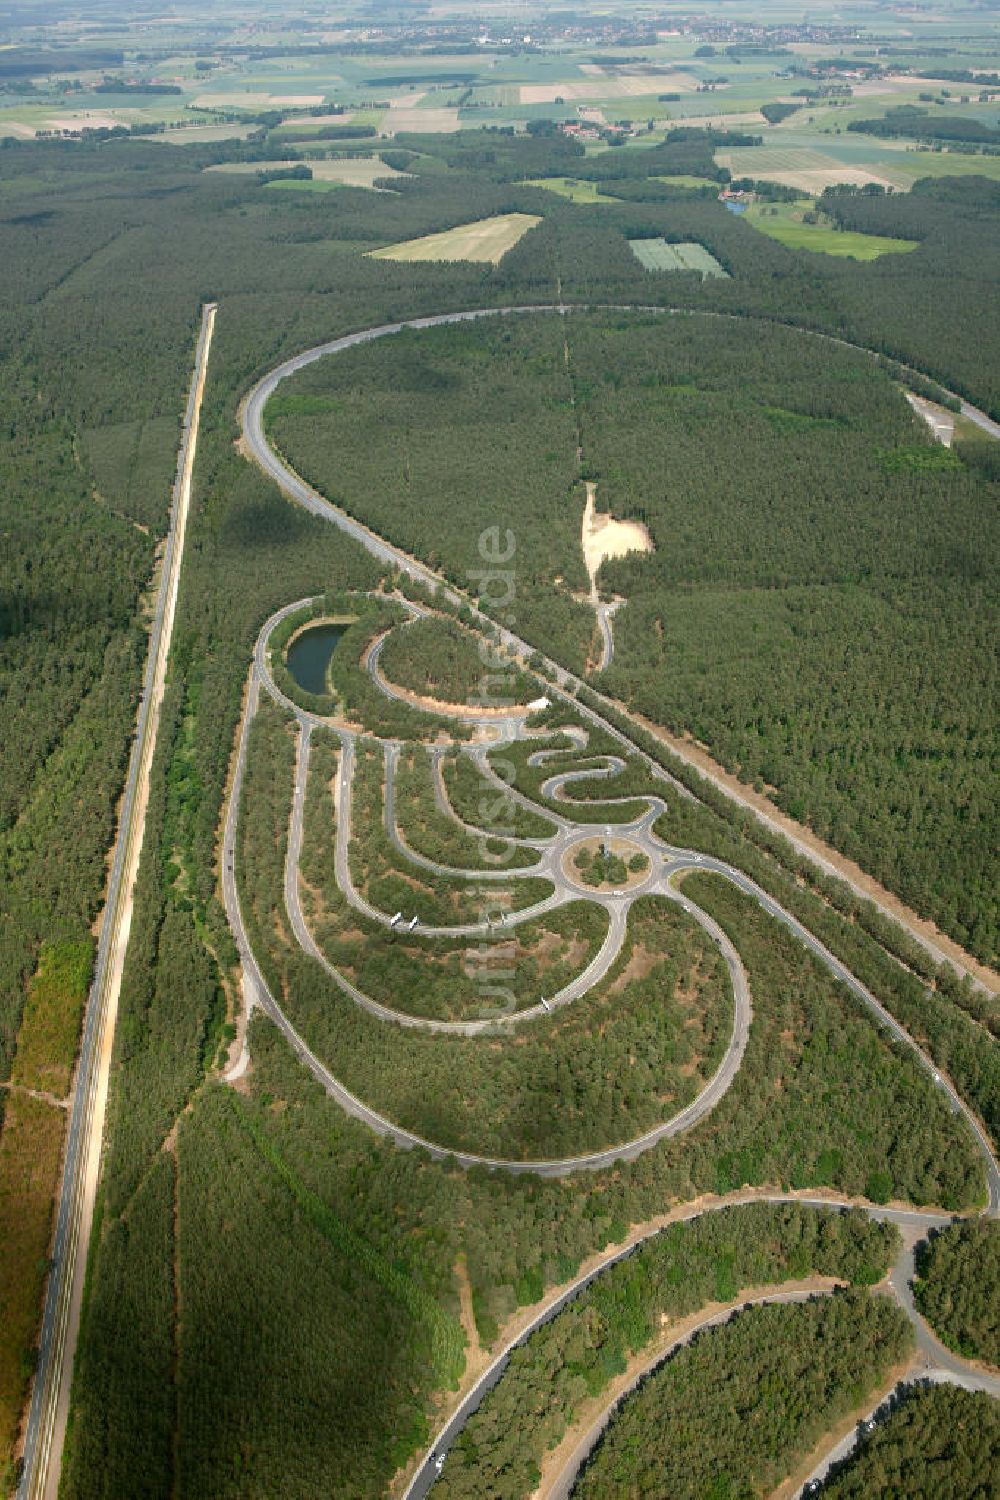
64,1298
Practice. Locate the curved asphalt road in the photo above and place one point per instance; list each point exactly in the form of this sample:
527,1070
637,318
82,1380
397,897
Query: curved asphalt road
259,994
930,1353
666,863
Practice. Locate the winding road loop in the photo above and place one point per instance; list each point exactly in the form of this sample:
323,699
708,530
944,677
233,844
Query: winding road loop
665,864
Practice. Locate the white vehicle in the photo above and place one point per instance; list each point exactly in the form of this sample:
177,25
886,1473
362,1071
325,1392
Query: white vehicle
439,1459
412,923
545,1003
395,919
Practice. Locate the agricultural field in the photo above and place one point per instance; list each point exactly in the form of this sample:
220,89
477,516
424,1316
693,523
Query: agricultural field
661,255
809,170
789,224
571,188
484,240
348,171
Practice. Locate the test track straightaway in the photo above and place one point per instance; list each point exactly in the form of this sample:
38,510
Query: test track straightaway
49,1406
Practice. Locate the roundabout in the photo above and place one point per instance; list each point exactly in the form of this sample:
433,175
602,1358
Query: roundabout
608,862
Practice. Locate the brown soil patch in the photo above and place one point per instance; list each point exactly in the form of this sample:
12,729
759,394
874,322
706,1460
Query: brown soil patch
640,963
31,1150
475,1357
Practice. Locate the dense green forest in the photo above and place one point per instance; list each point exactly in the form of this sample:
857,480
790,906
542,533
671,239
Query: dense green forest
188,1237
482,804
914,123
633,1305
938,1441
439,659
734,1411
958,1287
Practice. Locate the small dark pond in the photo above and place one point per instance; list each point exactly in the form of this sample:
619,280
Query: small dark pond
309,656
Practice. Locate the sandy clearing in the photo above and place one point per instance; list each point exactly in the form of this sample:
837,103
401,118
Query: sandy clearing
940,421
485,240
604,538
294,101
